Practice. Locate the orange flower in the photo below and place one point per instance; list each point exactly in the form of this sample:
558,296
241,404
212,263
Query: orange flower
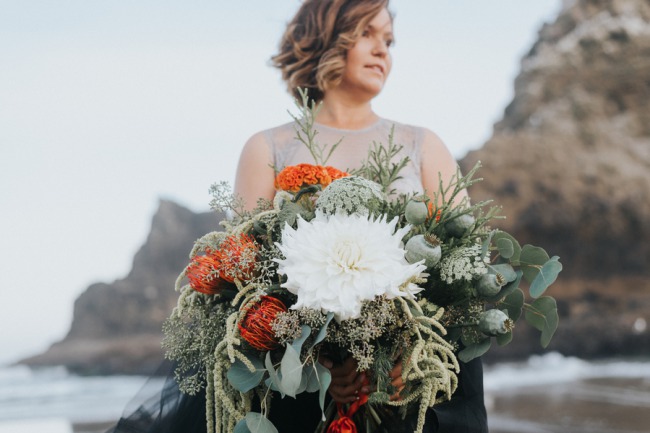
295,177
438,212
256,327
235,258
203,274
335,173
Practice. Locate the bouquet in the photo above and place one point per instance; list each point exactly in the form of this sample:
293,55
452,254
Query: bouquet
339,265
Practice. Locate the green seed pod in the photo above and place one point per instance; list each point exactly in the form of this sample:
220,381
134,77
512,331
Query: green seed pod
416,212
490,284
494,322
423,247
458,226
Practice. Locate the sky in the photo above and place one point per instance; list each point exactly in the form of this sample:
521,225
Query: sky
108,107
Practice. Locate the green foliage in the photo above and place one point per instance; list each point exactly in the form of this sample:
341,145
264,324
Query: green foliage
546,276
305,131
474,350
257,423
190,338
513,303
379,166
542,315
531,260
241,378
508,242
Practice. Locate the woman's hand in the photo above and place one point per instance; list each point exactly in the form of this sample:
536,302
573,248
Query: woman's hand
396,380
347,382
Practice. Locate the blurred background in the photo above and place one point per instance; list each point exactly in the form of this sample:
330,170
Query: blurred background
116,117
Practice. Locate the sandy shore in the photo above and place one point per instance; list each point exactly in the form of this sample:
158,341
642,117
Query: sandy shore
602,405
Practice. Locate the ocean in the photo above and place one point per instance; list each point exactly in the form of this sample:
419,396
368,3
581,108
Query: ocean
545,394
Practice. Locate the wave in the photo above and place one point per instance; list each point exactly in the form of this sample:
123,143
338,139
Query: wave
554,367
52,392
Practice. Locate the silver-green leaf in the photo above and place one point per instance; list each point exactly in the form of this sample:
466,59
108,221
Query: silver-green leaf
546,276
241,378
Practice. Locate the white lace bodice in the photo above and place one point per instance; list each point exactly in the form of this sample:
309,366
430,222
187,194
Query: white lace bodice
353,150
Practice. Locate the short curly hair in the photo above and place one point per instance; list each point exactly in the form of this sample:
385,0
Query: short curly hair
314,46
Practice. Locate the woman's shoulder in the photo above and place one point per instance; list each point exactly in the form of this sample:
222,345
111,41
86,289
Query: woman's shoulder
276,136
405,132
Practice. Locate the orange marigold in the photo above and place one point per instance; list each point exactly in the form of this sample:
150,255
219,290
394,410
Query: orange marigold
256,327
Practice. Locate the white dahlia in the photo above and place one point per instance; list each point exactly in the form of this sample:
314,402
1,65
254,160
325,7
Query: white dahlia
335,262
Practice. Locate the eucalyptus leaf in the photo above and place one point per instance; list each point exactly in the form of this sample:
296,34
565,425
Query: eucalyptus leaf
503,339
305,330
542,315
291,369
516,248
531,261
505,247
322,333
474,350
546,276
241,427
513,303
310,374
257,423
324,378
241,378
274,381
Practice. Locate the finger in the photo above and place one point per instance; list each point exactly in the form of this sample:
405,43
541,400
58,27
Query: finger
396,370
344,394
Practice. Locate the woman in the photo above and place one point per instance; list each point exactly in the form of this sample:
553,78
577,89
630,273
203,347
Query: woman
339,50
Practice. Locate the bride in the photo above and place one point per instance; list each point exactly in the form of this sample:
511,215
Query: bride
339,51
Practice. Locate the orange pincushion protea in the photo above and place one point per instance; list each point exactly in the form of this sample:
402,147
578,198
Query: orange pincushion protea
203,273
294,177
256,327
237,255
235,258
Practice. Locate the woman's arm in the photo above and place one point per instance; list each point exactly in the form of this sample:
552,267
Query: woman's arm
437,161
255,175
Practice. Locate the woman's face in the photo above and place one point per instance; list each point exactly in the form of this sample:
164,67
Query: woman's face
368,63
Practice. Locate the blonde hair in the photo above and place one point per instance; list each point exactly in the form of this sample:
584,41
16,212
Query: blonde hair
314,46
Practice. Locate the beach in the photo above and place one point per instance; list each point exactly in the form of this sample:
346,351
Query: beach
545,394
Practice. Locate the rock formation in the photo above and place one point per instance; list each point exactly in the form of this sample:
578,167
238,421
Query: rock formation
117,327
570,164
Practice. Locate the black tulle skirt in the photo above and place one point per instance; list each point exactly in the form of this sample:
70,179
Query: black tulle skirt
165,409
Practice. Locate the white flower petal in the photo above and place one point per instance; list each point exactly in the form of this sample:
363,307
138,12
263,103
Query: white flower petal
334,263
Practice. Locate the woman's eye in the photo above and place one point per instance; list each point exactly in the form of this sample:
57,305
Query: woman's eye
389,43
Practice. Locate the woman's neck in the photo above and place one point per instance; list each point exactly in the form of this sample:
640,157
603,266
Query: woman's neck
339,111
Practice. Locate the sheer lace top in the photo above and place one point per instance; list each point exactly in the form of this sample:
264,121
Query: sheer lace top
353,150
